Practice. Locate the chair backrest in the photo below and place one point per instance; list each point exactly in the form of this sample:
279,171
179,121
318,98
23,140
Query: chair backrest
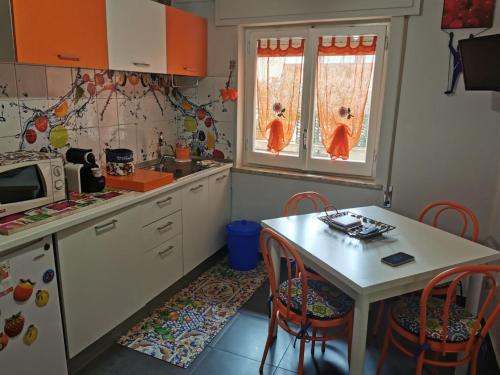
275,248
318,201
456,275
465,213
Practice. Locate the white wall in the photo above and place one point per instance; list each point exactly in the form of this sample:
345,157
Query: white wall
447,147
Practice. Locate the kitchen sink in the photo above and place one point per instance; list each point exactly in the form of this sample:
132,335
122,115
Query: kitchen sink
178,169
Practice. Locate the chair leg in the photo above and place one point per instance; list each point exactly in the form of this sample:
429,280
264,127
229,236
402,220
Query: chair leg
473,361
269,341
323,343
380,315
300,369
381,360
420,363
313,341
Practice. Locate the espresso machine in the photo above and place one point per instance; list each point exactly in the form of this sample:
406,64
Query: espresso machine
83,174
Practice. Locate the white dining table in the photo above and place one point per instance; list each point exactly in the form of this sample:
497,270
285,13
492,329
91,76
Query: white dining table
355,266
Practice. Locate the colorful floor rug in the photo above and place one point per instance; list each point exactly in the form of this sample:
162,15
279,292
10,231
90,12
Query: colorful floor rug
178,331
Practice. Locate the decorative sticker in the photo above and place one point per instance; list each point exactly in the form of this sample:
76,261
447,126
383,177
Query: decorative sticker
23,290
4,341
14,325
31,335
42,298
5,280
48,276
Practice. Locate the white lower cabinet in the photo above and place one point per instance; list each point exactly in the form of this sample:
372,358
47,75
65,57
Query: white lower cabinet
98,263
219,190
196,224
162,267
112,266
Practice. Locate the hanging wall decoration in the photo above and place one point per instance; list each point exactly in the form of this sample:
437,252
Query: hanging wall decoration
459,14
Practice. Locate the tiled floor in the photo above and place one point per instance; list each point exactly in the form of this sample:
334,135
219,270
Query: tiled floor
238,348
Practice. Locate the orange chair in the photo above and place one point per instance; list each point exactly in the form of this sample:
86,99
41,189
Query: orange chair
292,205
440,207
310,305
439,326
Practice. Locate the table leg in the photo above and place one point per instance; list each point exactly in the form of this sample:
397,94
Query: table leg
276,257
360,329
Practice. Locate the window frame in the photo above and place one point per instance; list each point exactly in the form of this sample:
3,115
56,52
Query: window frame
304,161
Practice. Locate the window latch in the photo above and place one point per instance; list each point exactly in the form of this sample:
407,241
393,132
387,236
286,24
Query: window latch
304,139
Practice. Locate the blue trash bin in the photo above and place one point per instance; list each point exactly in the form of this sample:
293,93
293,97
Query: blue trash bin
243,244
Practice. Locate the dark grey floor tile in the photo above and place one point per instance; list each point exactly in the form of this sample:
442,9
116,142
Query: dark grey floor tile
218,362
120,360
281,371
247,337
258,302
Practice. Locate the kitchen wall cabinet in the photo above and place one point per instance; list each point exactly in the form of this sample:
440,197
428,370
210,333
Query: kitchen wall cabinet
136,35
61,32
186,43
100,281
219,189
7,52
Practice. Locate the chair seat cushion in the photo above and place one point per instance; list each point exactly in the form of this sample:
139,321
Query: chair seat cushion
324,301
406,313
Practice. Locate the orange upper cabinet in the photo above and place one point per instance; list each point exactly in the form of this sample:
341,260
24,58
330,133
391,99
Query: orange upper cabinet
186,43
61,32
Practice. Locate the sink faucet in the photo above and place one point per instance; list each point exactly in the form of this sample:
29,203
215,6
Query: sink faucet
161,142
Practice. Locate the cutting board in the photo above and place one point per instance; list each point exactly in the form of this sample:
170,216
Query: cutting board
141,180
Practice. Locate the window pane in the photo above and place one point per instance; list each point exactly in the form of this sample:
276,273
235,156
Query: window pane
343,97
277,120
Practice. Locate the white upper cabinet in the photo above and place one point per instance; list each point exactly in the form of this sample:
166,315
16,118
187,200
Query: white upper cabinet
136,35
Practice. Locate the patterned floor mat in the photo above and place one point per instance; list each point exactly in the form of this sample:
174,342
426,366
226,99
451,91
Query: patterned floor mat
178,331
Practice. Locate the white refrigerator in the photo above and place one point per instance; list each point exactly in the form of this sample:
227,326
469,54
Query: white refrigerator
31,332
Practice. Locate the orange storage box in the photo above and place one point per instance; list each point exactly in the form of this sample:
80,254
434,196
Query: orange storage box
142,180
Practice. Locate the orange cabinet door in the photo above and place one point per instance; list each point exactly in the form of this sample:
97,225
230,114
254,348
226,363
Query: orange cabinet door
186,43
61,32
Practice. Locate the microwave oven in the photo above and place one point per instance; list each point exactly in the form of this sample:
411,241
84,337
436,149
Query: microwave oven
30,179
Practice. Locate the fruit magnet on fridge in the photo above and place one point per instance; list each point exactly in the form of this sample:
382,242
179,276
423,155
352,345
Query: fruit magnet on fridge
42,298
23,290
48,276
4,341
14,325
31,335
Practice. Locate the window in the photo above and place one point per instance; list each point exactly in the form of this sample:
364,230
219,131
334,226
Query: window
313,98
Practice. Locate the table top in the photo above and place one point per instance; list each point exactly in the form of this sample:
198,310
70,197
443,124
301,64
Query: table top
357,263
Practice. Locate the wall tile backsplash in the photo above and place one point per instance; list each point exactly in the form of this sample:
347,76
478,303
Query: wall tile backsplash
54,108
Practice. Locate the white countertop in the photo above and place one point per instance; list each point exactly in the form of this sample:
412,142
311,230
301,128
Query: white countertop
10,242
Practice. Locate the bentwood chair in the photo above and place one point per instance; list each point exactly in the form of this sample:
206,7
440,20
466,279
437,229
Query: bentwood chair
438,208
300,305
439,326
292,205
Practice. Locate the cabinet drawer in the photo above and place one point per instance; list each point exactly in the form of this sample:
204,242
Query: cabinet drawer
161,230
160,206
162,267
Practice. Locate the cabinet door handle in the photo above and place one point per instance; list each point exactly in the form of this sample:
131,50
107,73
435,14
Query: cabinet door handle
196,188
39,256
164,226
166,250
141,64
160,202
221,178
103,226
61,56
188,68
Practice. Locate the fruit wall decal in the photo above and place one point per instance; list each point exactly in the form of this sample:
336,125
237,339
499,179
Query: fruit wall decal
48,276
42,298
23,290
14,325
4,341
31,335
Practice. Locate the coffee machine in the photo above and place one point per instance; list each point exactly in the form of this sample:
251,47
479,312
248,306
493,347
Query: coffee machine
82,171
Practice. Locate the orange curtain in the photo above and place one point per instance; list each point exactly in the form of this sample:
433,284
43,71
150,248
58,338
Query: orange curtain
279,81
344,73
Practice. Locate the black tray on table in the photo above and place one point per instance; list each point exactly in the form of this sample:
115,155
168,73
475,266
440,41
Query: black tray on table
355,230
